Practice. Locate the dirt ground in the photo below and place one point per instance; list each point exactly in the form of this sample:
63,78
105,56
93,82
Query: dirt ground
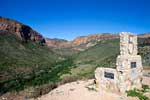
79,91
75,91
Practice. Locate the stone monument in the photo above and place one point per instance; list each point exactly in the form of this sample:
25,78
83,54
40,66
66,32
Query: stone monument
128,72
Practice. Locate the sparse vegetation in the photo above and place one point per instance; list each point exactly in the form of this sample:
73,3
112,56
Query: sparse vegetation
33,92
37,78
139,93
21,63
25,65
92,87
99,54
145,88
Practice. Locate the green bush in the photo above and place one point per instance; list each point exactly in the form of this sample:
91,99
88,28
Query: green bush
34,92
137,93
145,88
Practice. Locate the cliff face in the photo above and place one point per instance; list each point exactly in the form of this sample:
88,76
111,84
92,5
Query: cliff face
86,41
79,44
54,43
145,39
82,43
145,35
23,31
89,40
93,38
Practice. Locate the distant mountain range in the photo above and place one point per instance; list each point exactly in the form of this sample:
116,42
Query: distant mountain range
82,40
82,43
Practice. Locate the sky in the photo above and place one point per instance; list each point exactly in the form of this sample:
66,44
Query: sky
67,19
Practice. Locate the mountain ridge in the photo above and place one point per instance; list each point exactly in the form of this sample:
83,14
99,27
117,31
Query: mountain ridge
92,37
81,43
85,39
20,30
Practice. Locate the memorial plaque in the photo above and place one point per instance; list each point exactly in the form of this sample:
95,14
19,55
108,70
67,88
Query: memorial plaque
133,64
109,75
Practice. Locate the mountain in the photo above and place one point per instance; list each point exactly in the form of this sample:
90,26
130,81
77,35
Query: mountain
104,54
84,40
145,35
144,39
59,43
55,43
78,44
24,58
68,48
22,31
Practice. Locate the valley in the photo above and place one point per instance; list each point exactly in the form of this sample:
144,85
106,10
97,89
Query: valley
28,61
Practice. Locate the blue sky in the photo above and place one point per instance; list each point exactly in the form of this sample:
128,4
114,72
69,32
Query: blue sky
68,19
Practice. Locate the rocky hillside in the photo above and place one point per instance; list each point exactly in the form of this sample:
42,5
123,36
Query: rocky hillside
23,62
94,38
55,43
104,54
144,39
22,31
81,43
145,35
81,40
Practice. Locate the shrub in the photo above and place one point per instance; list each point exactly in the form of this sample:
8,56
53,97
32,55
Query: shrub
137,93
145,88
34,92
68,79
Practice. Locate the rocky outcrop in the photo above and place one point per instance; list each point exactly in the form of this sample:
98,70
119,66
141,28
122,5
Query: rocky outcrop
145,39
82,41
145,35
93,38
54,43
23,31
